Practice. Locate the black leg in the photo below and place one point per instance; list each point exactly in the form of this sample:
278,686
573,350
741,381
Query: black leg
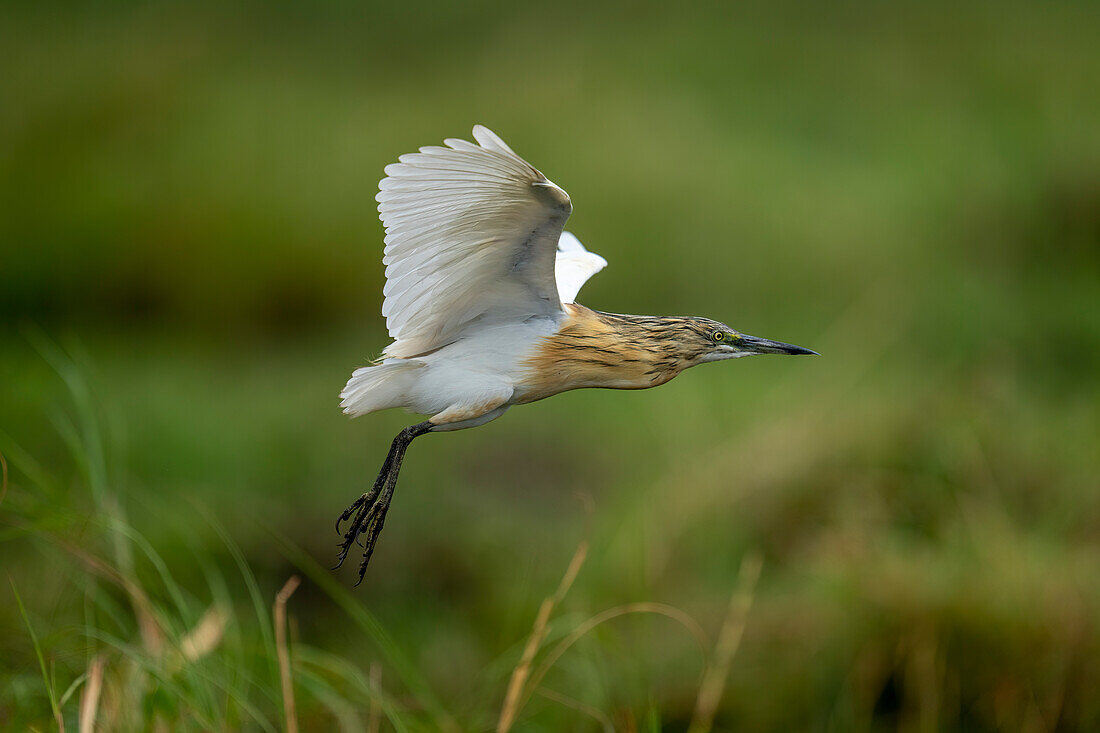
370,508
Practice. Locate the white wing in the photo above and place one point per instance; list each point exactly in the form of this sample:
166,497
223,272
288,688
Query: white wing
574,266
471,232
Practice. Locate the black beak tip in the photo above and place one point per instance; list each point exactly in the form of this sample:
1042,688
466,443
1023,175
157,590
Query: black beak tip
757,345
778,347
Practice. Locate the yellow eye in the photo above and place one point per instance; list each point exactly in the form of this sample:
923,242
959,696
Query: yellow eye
718,335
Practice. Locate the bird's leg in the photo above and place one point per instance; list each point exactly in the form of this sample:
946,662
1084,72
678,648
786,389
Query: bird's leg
370,508
405,436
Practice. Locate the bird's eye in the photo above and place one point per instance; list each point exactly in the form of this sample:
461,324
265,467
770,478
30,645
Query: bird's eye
718,335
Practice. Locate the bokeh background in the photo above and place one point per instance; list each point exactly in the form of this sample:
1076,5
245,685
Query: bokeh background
190,269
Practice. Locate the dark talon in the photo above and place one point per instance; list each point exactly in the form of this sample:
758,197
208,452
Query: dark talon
348,512
370,508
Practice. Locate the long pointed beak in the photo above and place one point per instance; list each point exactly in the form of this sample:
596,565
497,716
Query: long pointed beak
756,345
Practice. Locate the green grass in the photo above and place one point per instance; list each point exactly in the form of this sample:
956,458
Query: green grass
190,268
203,659
41,660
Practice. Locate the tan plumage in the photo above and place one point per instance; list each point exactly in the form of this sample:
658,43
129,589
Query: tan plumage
594,349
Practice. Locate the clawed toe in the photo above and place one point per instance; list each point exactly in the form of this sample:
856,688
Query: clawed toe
370,512
370,509
351,510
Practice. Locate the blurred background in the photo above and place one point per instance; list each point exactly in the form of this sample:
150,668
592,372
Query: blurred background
190,269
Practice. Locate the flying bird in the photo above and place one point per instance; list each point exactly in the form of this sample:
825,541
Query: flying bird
481,282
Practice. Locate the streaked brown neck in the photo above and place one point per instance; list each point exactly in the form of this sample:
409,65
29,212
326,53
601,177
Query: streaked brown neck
595,349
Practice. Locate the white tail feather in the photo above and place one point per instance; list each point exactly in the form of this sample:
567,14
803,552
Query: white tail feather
379,387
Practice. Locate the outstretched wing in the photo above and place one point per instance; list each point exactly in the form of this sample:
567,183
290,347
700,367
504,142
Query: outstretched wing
471,233
574,266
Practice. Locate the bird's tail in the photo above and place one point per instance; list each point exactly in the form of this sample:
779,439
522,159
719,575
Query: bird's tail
379,387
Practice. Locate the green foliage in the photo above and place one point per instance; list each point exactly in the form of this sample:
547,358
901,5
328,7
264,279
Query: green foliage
190,268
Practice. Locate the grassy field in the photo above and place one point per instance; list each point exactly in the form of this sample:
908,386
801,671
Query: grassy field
901,534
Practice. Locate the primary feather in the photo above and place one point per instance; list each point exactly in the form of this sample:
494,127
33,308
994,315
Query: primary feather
472,234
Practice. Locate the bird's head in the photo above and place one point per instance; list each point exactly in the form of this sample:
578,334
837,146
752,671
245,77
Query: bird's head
670,344
709,340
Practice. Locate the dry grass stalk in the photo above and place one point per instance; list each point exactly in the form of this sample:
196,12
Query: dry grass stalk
581,707
729,638
89,698
279,614
152,635
512,703
661,609
206,635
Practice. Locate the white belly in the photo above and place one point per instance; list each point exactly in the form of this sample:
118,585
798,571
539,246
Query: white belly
479,367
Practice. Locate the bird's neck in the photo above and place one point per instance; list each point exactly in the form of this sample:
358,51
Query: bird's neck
655,340
595,349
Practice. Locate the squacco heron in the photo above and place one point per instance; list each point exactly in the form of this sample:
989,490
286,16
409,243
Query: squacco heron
481,282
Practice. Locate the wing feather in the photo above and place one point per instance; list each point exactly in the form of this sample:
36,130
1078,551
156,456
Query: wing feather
573,266
471,232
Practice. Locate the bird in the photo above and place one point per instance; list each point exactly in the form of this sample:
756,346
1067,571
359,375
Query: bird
480,304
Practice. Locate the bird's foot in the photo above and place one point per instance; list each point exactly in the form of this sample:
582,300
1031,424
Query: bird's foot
363,509
364,499
370,513
367,513
363,504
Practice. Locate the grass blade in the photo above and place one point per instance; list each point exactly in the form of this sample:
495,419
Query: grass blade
41,659
278,613
729,638
366,620
512,704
